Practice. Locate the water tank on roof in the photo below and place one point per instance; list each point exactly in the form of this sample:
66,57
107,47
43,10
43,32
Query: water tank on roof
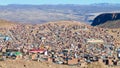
7,38
118,53
118,50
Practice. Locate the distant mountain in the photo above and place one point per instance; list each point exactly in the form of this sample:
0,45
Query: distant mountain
111,24
104,4
102,18
50,13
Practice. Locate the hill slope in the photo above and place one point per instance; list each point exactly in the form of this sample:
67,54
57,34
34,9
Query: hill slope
6,24
111,24
66,32
102,18
48,13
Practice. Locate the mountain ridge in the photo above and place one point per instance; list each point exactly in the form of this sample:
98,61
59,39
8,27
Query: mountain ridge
47,13
110,24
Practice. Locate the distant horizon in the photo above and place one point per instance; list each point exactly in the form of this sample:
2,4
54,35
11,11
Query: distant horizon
57,2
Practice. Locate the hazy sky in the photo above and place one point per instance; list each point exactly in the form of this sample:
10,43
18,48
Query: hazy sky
37,2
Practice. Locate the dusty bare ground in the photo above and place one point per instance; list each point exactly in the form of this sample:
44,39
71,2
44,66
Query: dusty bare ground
100,65
34,64
31,64
6,24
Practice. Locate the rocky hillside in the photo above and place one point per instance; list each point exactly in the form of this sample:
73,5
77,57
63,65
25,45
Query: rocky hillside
105,17
111,24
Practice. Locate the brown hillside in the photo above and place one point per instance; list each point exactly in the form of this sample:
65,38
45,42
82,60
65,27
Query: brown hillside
6,24
111,24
